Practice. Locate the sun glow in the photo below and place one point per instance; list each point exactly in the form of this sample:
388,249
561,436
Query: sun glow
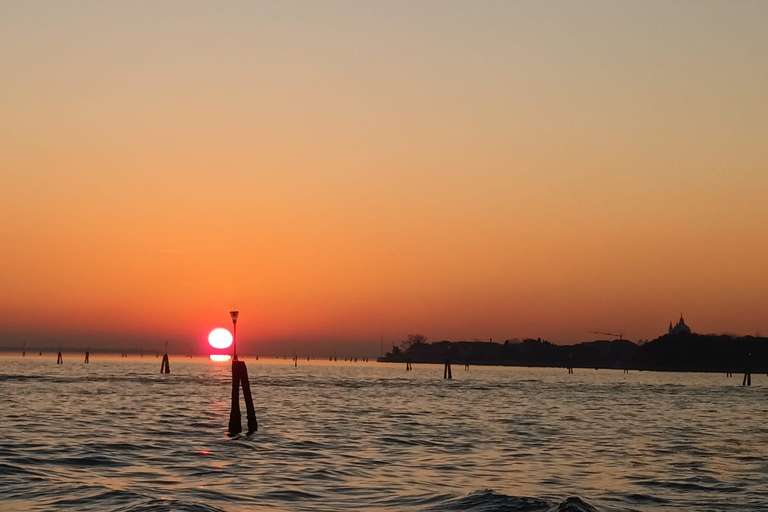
219,358
220,338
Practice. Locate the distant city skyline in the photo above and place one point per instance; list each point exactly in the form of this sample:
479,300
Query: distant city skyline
344,172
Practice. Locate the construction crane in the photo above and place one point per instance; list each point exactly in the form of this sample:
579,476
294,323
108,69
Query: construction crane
620,335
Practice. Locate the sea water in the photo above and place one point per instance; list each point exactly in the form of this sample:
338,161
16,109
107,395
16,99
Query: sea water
116,434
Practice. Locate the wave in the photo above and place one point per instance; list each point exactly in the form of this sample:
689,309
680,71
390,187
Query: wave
491,501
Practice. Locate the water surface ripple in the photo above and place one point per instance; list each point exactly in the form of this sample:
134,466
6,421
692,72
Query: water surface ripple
117,435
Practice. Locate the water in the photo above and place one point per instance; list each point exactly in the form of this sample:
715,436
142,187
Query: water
117,435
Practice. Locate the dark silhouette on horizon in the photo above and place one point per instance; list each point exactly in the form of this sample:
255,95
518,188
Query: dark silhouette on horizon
681,351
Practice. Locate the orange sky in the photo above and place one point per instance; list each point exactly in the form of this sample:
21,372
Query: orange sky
345,171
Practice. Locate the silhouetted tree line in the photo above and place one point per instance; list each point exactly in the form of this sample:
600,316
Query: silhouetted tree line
680,352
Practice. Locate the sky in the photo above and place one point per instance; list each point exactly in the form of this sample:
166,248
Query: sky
345,173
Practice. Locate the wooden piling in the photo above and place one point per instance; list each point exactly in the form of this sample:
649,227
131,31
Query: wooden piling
165,365
87,357
447,371
59,359
240,378
250,412
748,371
234,413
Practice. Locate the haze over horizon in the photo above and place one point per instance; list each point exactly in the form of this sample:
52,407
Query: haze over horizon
343,172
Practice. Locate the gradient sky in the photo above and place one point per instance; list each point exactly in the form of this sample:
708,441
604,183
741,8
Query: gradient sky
348,171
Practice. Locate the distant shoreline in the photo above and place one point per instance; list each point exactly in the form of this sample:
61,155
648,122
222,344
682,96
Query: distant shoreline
680,352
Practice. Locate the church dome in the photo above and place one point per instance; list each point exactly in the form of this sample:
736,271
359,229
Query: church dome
680,327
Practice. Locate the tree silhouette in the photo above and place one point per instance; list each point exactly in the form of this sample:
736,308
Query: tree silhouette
412,341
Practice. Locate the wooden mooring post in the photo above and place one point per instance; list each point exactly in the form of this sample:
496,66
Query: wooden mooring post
240,378
59,359
748,371
447,371
165,365
87,357
408,365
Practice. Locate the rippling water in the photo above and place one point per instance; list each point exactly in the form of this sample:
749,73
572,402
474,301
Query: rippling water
117,435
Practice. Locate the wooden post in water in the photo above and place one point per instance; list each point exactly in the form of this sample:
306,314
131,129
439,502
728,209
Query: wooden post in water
165,365
24,349
447,371
408,365
240,378
59,359
87,357
748,371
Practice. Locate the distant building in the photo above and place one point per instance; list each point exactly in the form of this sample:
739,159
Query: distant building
680,328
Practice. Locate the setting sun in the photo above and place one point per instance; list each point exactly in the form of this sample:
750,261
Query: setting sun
220,338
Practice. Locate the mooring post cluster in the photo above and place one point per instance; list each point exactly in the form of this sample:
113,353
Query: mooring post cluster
165,366
240,378
748,371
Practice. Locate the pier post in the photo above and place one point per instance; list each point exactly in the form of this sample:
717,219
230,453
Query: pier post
234,412
447,371
87,357
59,359
408,365
240,378
748,371
165,365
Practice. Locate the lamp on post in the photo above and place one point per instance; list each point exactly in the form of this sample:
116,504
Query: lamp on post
234,314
